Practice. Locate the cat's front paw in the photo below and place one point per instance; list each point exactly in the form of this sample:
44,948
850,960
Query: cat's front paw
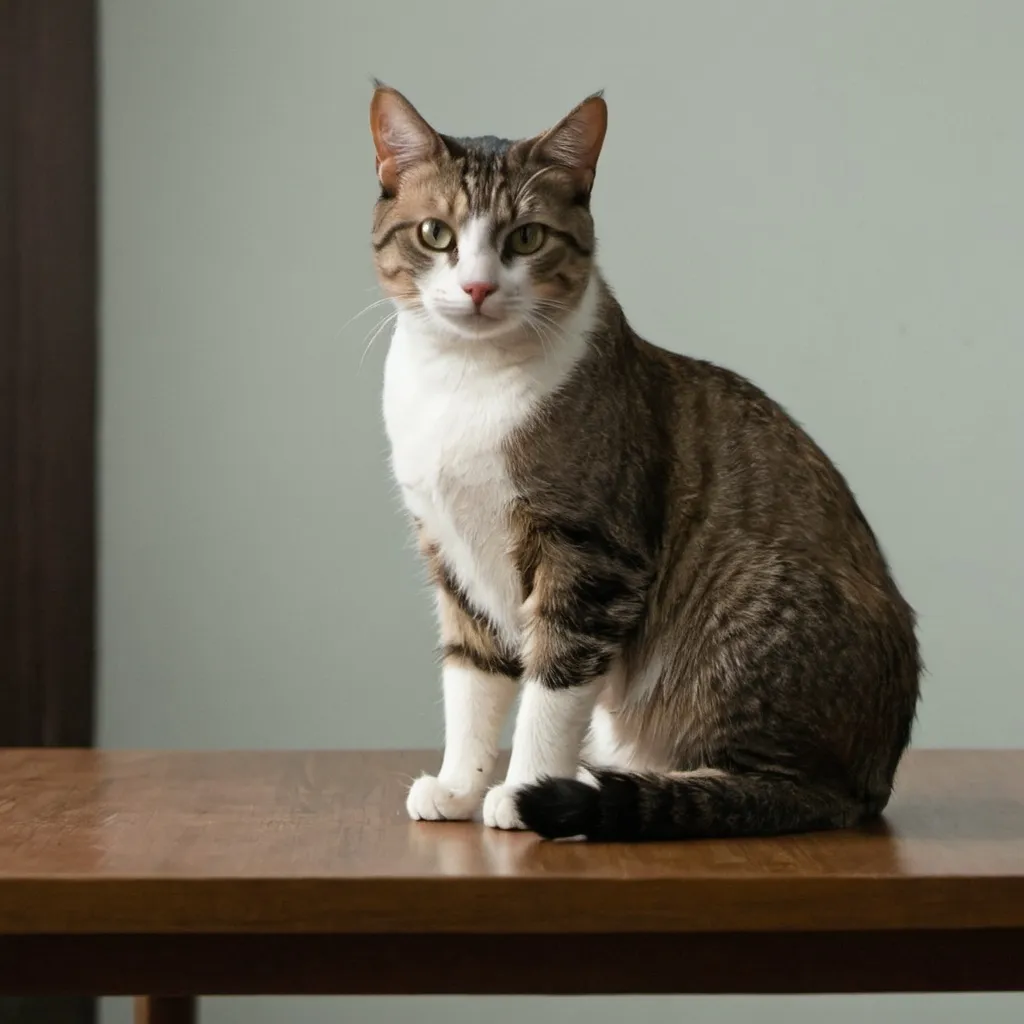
431,799
500,807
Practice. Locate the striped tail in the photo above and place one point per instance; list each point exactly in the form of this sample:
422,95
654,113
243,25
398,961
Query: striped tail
706,804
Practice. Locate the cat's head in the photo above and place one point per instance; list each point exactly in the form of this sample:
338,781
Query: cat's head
483,237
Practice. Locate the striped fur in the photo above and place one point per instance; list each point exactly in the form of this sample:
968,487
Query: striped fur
676,577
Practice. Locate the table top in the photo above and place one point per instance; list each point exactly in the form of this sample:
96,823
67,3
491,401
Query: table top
318,842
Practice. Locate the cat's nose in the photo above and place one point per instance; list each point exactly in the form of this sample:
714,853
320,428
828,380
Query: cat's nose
479,290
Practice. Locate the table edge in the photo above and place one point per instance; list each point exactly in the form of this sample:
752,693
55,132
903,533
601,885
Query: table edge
507,906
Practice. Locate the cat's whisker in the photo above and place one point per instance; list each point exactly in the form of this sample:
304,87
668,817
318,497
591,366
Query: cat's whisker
547,319
521,191
554,326
382,325
545,305
585,337
465,368
366,309
554,303
529,322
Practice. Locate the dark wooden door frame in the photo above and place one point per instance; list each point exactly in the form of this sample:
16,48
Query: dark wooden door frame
48,354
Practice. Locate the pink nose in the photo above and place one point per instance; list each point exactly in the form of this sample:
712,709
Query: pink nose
478,291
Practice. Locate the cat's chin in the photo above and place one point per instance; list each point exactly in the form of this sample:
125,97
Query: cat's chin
477,327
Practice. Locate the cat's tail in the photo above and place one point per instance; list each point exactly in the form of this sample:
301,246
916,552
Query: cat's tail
704,804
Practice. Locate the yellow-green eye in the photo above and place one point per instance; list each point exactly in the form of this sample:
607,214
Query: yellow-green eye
435,234
527,239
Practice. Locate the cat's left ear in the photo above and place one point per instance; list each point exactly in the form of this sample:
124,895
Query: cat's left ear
575,142
401,136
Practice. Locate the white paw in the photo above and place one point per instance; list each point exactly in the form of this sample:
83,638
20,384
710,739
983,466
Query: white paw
500,807
430,799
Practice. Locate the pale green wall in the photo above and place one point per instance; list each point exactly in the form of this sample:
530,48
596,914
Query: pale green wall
826,196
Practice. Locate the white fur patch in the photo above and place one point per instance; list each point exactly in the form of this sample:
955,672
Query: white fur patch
475,707
605,747
431,799
550,727
478,259
449,407
500,808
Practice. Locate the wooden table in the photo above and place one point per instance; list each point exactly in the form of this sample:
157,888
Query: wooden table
257,873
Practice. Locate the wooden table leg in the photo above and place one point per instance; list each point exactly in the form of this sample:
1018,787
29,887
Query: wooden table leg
166,1010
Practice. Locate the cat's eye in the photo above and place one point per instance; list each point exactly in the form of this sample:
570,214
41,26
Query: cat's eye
527,239
435,234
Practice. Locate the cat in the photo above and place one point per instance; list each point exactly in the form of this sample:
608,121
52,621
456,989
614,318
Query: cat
704,635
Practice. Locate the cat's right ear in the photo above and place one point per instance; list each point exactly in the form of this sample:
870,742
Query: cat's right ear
575,142
400,135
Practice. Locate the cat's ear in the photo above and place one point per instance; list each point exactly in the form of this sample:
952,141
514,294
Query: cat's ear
575,142
400,135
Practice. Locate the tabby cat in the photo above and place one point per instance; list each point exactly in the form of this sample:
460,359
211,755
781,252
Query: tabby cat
703,633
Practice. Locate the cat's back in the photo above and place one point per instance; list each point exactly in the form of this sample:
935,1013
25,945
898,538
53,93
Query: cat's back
744,439
749,479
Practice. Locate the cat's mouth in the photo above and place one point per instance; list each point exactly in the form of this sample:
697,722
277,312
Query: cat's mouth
478,323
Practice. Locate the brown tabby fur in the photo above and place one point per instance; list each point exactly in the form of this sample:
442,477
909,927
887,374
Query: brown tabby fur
674,520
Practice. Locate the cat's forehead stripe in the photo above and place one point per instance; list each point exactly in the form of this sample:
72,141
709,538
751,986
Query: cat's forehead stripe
482,175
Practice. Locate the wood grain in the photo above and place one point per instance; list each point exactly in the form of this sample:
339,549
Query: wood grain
305,843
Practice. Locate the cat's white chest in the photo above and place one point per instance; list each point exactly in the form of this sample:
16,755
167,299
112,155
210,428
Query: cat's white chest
448,421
